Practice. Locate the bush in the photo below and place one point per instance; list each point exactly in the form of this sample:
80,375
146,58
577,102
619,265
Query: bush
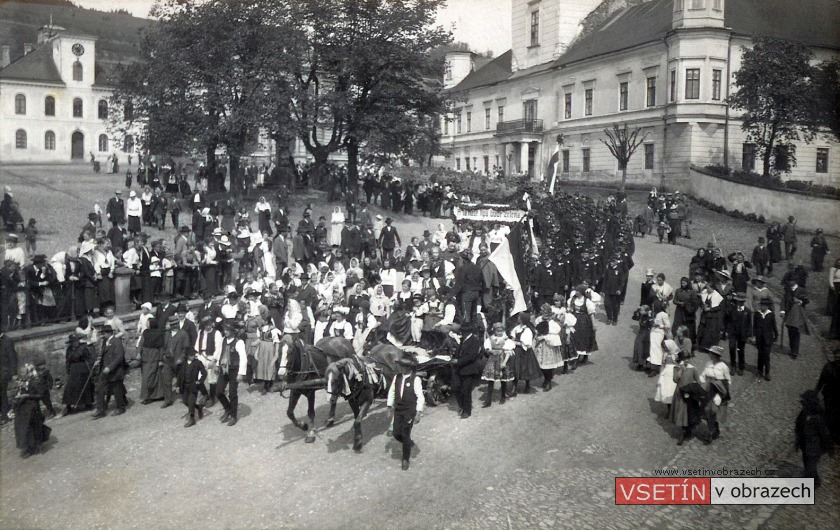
772,182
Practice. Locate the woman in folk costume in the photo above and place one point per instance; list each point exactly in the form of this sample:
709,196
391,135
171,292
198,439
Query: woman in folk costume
439,237
525,364
267,352
255,318
326,289
688,397
686,303
660,329
711,317
717,380
380,305
549,345
366,323
499,366
263,211
666,385
30,431
583,339
641,346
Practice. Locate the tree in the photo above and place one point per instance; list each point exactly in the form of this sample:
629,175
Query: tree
824,107
773,93
622,143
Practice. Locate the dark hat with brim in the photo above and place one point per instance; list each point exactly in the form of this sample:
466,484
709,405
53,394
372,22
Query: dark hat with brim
759,278
39,258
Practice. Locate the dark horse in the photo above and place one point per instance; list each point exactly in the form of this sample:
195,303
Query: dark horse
306,371
352,379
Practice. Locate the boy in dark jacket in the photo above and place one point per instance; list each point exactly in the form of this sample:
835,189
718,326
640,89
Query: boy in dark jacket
193,375
738,330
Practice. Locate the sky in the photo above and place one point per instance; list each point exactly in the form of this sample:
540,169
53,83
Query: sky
483,24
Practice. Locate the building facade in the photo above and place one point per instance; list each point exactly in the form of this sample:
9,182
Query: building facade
664,66
55,103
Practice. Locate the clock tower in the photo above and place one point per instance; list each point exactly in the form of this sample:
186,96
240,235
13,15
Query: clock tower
73,54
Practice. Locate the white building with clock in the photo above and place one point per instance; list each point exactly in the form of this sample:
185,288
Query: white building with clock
54,103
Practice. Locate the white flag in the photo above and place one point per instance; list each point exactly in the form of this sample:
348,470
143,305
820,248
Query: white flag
503,259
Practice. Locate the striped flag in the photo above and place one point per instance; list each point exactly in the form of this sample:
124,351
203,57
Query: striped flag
503,260
551,170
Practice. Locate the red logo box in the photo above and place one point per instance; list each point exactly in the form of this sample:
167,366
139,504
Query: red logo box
661,490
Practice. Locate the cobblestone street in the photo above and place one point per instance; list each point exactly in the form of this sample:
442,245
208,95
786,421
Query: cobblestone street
540,461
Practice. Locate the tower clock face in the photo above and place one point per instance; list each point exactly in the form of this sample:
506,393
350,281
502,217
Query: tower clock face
78,50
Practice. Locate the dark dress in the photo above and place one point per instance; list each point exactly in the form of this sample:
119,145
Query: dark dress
685,411
525,364
30,431
583,339
641,347
78,392
774,244
686,303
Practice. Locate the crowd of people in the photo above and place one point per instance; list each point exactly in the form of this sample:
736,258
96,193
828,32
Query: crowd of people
349,274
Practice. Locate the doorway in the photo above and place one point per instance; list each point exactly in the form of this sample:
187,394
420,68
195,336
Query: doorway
77,143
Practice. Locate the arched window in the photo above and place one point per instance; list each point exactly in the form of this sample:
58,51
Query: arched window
49,141
78,108
77,71
20,104
49,106
128,144
20,139
103,143
103,109
128,111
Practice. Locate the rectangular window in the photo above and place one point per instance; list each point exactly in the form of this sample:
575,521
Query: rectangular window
475,164
673,94
781,158
458,164
565,161
535,27
20,104
692,83
497,160
467,162
648,156
529,110
567,113
445,126
469,122
458,123
587,103
622,95
651,92
585,153
822,160
748,157
501,113
486,119
716,78
486,164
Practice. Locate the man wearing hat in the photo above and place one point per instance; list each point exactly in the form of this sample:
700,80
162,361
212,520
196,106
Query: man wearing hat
111,373
812,434
738,326
115,209
176,341
467,367
469,285
233,366
389,239
89,230
766,333
717,380
40,278
761,258
405,405
789,237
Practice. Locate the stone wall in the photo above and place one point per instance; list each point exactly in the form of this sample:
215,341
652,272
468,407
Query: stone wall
775,205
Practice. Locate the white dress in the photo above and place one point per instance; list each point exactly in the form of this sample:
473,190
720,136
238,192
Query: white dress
336,226
661,323
666,386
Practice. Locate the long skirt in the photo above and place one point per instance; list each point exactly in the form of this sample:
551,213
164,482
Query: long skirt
685,412
641,347
525,364
548,356
151,386
334,237
583,339
134,225
78,390
30,431
656,353
711,324
266,360
666,386
494,370
105,289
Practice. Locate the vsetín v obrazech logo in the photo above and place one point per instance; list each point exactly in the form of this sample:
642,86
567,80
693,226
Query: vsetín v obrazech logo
710,490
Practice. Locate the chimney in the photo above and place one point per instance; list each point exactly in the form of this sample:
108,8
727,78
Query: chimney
6,58
27,48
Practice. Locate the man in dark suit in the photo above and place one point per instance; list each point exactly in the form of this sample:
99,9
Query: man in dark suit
186,324
209,309
176,342
192,376
766,333
468,284
112,372
467,368
115,210
389,239
738,330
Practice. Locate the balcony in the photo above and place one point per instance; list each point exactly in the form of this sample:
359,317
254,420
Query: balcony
519,126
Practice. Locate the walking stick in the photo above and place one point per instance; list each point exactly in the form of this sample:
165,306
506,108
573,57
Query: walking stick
82,392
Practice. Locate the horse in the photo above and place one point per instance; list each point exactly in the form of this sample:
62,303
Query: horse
354,380
305,373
